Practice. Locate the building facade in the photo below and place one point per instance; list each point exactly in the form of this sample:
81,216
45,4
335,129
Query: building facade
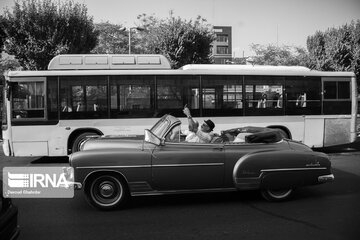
222,46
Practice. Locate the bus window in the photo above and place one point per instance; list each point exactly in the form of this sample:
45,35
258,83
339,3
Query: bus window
222,95
83,97
96,98
131,96
28,100
209,98
337,96
174,92
264,95
303,96
52,98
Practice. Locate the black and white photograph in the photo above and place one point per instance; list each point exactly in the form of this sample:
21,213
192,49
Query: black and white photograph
192,119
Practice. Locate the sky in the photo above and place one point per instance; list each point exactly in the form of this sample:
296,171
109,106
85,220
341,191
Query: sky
282,22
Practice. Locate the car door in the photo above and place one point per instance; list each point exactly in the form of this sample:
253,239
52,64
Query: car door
185,166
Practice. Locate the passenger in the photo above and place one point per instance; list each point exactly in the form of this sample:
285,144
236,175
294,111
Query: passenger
262,102
202,135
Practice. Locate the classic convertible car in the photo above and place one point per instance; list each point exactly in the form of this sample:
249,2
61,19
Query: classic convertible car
112,169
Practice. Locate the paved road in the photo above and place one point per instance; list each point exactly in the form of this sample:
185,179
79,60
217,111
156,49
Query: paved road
329,211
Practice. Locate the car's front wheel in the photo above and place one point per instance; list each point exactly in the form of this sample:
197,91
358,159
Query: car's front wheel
106,192
277,195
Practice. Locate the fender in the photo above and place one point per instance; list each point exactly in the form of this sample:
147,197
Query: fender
280,169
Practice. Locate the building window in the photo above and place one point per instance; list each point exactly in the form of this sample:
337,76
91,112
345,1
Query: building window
222,50
222,38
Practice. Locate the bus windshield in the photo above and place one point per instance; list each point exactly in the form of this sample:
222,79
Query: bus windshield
28,100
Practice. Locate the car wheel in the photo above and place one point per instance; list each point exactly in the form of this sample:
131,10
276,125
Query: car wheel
277,195
106,192
79,140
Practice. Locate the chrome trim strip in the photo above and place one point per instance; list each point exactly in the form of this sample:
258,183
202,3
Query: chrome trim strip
158,165
183,191
188,165
98,167
292,169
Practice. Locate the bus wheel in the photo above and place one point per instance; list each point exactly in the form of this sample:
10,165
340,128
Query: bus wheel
80,139
106,192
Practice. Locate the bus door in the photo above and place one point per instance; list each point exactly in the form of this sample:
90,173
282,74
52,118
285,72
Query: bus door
29,132
337,110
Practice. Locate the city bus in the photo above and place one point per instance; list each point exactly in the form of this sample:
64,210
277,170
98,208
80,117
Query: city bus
50,112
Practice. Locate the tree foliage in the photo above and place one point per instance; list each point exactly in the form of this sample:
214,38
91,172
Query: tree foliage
275,55
2,35
336,49
8,63
112,39
181,41
37,30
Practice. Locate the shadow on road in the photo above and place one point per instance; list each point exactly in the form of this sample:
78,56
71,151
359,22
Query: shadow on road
42,160
351,147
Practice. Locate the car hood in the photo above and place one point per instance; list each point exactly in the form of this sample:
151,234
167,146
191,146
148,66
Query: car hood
111,142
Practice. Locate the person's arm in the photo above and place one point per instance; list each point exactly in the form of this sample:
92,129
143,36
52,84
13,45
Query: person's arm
193,125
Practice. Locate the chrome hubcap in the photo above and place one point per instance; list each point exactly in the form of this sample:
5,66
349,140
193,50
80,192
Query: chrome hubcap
106,189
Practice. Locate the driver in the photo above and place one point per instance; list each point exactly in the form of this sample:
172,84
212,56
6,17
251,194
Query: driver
202,135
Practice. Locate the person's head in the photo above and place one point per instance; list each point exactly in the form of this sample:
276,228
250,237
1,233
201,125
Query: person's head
207,126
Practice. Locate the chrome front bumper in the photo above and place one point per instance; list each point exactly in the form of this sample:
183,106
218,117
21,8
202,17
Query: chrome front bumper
74,185
77,185
326,178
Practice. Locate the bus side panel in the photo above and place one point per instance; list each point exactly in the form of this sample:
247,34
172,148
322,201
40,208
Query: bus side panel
31,141
22,149
337,131
314,131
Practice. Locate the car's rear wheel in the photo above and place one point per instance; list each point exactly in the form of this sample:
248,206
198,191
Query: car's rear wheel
106,192
277,195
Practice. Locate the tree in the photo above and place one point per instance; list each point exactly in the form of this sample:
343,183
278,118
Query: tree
316,48
112,39
274,55
181,41
37,30
7,63
336,49
2,35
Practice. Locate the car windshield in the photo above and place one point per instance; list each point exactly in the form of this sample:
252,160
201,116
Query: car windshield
160,127
174,134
